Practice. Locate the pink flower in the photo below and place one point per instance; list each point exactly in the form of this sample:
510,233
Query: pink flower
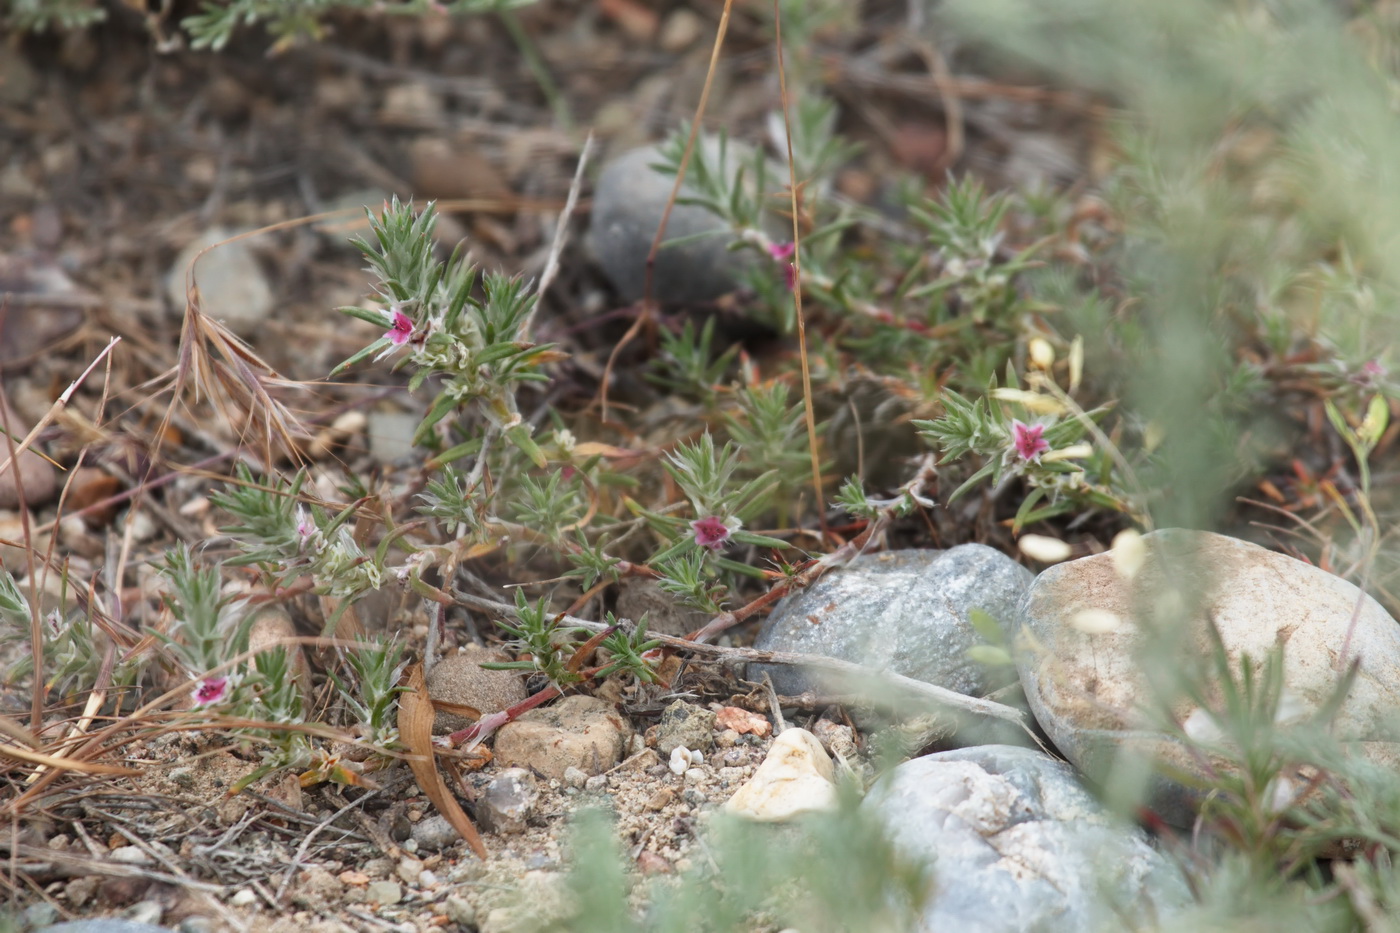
783,252
212,690
1029,440
400,328
305,526
710,532
1371,374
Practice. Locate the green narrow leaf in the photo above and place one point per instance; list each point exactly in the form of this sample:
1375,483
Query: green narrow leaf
748,537
442,406
990,655
519,435
1024,511
364,354
451,454
986,627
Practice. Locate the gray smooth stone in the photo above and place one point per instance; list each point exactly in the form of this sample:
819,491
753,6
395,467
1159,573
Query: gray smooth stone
628,202
900,611
1017,845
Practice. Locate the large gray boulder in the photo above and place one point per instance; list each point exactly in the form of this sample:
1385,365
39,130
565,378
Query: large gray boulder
900,611
1016,845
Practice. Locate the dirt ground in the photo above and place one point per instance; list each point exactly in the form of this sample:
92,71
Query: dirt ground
114,155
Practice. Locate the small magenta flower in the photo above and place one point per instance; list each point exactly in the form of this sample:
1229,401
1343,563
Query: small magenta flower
400,328
305,526
782,252
212,690
710,532
1029,440
1372,373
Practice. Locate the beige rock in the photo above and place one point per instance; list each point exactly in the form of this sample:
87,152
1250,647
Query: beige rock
232,286
795,778
37,475
461,679
272,628
681,30
1086,626
508,801
579,731
14,557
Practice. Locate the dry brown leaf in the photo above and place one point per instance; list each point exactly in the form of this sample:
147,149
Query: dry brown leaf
416,730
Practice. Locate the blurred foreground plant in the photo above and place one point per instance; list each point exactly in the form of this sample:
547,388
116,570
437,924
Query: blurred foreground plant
287,21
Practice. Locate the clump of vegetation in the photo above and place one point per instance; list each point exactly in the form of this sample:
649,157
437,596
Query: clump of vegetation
287,21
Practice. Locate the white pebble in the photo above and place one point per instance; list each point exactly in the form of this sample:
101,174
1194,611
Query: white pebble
680,759
695,775
129,855
244,897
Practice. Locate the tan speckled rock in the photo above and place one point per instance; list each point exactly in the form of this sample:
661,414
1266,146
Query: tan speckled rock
460,678
578,731
273,628
37,475
1088,626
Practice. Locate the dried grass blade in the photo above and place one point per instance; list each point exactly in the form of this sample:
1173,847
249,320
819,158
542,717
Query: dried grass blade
62,764
416,730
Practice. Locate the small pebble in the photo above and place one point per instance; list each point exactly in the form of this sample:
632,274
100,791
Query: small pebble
575,777
680,759
39,915
410,869
695,775
243,897
680,30
427,879
434,832
129,855
384,892
459,911
596,784
145,912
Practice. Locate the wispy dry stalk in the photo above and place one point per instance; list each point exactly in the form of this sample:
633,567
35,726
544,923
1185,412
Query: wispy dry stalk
216,364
